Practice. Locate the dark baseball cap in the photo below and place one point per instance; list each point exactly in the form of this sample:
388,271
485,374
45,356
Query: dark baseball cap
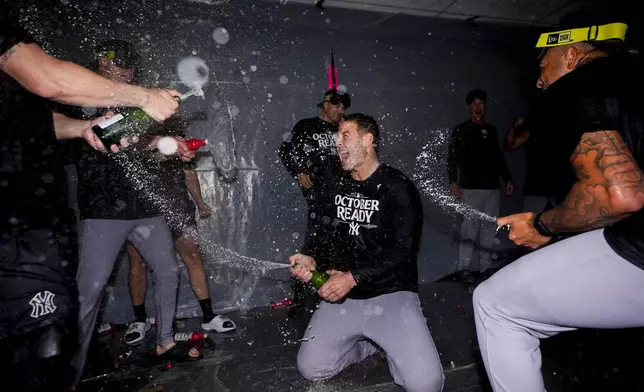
335,98
122,53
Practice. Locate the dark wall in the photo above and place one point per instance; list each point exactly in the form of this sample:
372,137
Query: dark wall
411,73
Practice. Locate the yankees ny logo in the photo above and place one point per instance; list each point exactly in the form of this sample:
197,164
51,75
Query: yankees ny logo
353,228
42,304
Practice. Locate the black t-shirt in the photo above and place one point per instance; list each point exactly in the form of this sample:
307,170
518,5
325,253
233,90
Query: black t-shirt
311,150
543,177
377,226
32,178
475,159
605,94
107,183
172,168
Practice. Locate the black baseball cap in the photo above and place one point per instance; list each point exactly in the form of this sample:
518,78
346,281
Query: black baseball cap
335,98
122,53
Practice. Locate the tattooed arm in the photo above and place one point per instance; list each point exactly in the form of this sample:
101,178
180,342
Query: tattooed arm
609,187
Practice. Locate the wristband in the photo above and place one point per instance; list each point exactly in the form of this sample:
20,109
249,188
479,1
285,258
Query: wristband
541,227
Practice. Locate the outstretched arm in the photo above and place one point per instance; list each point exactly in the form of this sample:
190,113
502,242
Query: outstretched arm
69,83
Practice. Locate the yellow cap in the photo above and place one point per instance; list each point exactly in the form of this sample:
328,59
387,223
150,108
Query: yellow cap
612,31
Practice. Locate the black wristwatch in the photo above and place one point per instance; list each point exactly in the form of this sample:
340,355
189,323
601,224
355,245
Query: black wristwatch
541,227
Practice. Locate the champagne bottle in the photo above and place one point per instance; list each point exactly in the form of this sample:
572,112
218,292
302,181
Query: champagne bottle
129,122
318,279
126,123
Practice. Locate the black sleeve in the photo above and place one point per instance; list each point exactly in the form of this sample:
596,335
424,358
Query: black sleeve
11,33
71,111
591,114
452,166
403,220
503,169
293,152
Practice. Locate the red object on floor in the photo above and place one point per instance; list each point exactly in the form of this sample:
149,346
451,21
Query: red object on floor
189,336
282,303
166,367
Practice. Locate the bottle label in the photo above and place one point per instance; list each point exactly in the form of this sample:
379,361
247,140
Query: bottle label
112,120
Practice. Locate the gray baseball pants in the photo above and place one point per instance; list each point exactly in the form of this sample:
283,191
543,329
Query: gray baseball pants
576,283
340,334
100,243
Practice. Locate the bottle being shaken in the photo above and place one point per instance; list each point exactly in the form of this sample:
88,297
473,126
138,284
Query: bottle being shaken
130,122
318,279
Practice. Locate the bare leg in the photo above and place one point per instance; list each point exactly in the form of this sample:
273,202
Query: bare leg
191,256
138,276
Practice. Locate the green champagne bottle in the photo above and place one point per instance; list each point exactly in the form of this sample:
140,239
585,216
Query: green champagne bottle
127,122
318,279
132,121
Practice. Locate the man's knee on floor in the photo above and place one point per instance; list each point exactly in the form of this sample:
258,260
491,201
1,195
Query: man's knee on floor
421,377
310,367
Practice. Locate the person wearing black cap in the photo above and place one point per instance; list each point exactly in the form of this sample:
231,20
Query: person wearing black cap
310,156
594,123
38,309
474,163
113,211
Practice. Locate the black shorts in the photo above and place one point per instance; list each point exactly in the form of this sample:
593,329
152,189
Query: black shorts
184,221
37,286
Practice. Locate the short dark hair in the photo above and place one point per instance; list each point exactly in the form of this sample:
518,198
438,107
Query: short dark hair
367,124
474,94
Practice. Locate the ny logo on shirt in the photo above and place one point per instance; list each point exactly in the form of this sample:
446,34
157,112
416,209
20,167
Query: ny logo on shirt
42,304
353,228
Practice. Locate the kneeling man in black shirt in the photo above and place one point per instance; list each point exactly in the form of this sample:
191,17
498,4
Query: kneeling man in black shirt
371,298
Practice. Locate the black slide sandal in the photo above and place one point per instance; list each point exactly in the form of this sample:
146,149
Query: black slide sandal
180,352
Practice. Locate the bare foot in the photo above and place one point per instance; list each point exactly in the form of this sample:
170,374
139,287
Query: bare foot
194,353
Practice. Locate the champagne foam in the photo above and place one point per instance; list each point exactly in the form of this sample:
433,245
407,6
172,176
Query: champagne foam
430,177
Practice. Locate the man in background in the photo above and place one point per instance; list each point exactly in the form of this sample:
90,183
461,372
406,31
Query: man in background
114,208
474,163
180,180
310,156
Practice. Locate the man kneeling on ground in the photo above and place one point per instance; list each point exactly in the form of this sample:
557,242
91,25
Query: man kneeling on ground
371,298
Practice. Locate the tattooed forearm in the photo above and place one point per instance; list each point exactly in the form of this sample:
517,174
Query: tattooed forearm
5,56
610,185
